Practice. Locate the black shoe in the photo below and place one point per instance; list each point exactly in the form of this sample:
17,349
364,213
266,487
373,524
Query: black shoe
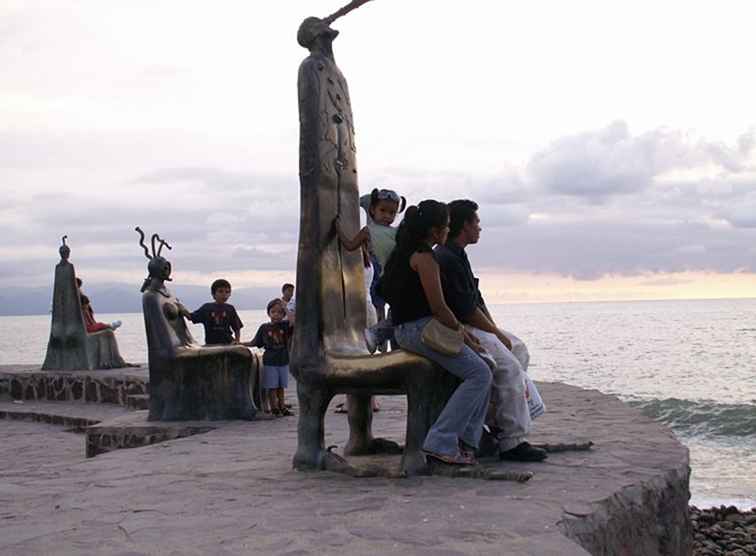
524,452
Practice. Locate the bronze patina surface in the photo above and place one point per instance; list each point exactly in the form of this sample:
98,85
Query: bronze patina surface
70,346
329,354
189,381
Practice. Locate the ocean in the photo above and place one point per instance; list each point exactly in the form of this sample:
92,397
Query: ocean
688,364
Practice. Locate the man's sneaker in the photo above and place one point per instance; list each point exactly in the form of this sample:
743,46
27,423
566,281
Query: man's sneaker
115,324
371,340
524,452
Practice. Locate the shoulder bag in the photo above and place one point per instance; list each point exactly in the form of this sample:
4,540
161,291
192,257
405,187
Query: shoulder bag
443,339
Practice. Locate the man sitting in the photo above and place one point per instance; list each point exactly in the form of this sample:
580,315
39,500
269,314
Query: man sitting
511,421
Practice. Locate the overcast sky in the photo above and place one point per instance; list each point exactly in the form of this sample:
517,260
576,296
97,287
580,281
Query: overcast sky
611,145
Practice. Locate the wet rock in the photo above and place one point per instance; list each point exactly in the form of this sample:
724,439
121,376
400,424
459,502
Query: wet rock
723,530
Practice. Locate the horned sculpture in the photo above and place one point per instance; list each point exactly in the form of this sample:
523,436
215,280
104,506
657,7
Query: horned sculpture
189,381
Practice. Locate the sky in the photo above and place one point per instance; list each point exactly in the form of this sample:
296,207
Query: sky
610,145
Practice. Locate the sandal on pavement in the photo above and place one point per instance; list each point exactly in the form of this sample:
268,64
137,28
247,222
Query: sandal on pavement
456,459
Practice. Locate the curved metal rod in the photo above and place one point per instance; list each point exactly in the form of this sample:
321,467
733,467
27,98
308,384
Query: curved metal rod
64,239
141,242
163,243
154,250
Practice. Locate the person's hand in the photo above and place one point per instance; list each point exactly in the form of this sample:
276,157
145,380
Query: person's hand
473,342
504,340
183,311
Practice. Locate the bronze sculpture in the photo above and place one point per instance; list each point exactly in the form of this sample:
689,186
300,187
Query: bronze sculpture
70,346
329,354
189,381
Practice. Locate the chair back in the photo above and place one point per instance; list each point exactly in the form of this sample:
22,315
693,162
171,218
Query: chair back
331,297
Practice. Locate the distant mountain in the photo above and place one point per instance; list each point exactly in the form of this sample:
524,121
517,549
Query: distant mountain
125,298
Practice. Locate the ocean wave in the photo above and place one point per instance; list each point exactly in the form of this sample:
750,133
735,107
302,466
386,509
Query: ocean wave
705,418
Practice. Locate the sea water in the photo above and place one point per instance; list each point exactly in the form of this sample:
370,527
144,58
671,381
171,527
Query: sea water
688,364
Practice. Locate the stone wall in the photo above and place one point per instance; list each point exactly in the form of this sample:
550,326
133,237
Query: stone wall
81,387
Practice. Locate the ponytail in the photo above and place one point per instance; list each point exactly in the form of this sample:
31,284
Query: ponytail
411,236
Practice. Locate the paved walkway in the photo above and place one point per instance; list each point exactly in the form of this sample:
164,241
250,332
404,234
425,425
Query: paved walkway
232,490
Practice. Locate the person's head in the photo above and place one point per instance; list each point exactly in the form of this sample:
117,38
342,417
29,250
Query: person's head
78,282
385,204
287,291
315,34
276,310
464,223
426,223
220,290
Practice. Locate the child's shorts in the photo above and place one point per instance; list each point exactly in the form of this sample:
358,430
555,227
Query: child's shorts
275,377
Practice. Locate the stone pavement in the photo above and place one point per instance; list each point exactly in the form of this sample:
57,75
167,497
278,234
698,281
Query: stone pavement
232,491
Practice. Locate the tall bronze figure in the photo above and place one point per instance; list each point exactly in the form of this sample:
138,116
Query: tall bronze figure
70,346
329,354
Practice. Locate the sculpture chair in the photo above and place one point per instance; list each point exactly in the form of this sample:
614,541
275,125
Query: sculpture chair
189,381
329,354
70,346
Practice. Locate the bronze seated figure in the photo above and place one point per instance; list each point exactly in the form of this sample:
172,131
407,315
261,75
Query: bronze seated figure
70,346
189,381
329,355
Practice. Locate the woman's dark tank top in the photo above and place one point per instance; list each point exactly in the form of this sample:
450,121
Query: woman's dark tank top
411,303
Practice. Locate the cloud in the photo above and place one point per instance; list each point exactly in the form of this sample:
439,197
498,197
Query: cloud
597,164
575,208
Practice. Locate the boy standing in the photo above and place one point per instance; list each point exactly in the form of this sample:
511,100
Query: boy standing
274,337
219,318
287,297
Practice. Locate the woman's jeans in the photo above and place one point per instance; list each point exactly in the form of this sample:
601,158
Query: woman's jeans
462,417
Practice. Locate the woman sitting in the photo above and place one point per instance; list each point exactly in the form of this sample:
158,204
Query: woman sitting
412,285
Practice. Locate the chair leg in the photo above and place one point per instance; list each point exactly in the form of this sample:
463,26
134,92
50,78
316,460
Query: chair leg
361,440
313,402
426,397
418,423
360,425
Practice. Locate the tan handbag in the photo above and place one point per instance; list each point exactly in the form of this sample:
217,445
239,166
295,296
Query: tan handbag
443,339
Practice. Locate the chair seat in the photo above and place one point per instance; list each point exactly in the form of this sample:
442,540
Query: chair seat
381,374
187,352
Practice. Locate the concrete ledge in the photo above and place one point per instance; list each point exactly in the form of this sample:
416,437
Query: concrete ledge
77,424
100,386
134,431
77,416
232,490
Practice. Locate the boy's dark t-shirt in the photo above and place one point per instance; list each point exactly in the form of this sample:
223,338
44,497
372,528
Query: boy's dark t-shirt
220,321
274,338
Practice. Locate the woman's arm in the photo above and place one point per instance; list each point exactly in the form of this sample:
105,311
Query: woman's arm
362,237
425,265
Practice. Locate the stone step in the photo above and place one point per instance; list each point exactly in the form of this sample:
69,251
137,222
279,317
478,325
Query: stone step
76,415
138,401
134,430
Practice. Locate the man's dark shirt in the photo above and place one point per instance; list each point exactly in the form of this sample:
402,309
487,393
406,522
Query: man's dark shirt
220,321
458,282
274,338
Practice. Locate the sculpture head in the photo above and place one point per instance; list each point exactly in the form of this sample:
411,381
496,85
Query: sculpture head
159,268
65,250
312,30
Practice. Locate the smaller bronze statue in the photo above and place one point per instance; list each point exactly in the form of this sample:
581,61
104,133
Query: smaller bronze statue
70,346
189,381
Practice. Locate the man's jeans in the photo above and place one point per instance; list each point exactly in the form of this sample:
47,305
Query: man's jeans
462,417
511,414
